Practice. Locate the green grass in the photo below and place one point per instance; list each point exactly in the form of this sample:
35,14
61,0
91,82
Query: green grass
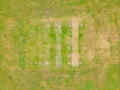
113,77
66,34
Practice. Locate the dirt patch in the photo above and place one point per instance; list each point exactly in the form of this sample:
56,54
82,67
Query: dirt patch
10,23
91,36
89,40
75,55
103,42
103,46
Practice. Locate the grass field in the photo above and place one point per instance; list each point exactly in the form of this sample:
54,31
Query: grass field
59,45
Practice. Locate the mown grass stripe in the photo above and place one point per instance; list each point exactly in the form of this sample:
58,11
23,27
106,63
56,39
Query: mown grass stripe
58,32
66,46
52,46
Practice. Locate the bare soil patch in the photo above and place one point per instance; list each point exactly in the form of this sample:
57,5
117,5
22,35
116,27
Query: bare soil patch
75,55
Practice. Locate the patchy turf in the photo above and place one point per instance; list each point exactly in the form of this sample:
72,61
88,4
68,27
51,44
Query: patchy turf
34,34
